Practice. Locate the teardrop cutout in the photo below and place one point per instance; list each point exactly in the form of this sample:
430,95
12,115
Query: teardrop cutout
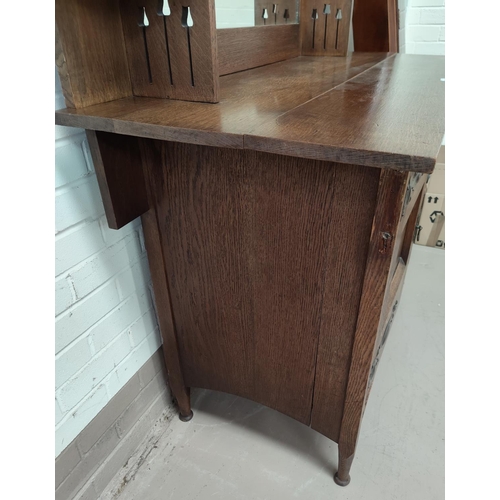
187,20
163,8
143,21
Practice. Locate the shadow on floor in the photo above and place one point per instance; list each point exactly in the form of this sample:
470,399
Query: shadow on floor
263,422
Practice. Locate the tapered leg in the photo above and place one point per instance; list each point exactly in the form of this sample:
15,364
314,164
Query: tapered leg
342,477
165,320
156,258
184,404
376,286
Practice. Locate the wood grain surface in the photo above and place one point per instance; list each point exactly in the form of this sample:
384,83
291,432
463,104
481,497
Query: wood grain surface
240,49
249,100
202,42
156,57
355,194
251,257
350,110
151,158
64,74
276,222
391,115
385,223
272,20
118,168
375,26
90,52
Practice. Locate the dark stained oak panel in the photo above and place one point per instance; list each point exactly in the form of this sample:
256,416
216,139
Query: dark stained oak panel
325,36
118,167
248,100
187,70
366,110
251,261
375,26
355,195
155,62
90,52
273,19
240,49
389,116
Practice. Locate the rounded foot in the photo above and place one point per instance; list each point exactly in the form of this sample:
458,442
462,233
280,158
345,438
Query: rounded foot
186,418
340,482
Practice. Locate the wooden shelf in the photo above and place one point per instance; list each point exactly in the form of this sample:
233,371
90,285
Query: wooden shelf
370,109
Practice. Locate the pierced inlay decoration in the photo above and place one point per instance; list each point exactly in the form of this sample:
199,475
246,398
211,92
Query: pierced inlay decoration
164,8
187,22
325,27
265,15
314,18
338,17
144,23
270,14
275,13
326,11
172,54
164,11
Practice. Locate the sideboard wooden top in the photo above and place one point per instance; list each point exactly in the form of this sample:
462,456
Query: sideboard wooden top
368,109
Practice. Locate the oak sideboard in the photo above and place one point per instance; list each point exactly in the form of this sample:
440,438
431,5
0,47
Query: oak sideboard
278,217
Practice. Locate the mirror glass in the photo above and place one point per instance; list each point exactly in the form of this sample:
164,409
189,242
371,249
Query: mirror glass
244,13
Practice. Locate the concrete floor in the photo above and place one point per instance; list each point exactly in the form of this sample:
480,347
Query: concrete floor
235,449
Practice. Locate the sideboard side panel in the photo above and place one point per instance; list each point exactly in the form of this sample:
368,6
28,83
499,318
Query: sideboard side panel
294,215
201,199
246,239
264,257
355,195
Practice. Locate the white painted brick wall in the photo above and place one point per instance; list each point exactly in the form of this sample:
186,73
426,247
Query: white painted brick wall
402,11
106,328
424,27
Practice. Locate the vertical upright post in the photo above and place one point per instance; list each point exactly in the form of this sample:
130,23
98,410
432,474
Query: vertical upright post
375,26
